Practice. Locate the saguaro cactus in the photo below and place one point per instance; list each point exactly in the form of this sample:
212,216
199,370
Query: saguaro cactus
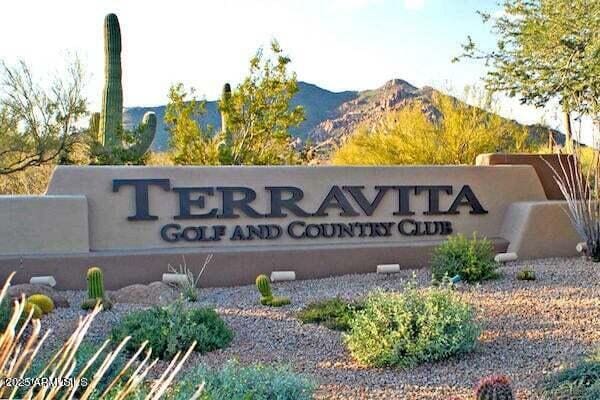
108,125
225,101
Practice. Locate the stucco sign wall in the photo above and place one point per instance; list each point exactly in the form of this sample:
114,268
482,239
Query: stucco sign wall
214,207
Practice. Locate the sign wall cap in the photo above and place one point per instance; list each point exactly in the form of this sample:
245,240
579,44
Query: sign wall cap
43,280
505,257
280,276
388,268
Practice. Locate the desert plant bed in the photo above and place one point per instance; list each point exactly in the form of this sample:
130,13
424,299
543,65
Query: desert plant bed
529,331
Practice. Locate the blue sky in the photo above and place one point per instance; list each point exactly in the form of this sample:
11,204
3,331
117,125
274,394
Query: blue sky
336,44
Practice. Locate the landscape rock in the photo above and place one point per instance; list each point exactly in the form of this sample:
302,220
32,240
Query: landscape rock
156,293
60,300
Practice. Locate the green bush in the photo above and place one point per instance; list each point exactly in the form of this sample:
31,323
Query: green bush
174,328
526,275
236,382
409,328
582,382
6,310
84,353
334,313
472,259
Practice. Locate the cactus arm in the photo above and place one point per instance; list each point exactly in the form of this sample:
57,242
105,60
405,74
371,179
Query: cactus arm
94,127
144,135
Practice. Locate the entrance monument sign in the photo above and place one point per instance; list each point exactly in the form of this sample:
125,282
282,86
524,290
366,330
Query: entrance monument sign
317,221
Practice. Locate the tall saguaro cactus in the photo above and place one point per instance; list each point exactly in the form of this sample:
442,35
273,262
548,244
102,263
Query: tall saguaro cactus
108,124
111,118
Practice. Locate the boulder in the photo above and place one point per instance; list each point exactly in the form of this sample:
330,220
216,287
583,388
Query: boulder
59,299
156,293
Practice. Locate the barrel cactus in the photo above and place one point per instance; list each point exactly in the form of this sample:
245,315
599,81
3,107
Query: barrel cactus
117,145
37,311
45,303
495,387
263,284
95,282
526,275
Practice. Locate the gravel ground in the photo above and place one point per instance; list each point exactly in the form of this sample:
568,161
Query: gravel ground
529,330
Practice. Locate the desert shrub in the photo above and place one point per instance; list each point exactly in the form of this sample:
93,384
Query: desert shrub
334,313
84,354
526,275
415,136
6,309
581,382
472,259
174,328
237,382
405,329
33,180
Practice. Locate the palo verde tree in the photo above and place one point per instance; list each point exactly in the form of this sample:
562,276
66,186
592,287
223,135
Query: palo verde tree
259,115
190,143
546,49
38,125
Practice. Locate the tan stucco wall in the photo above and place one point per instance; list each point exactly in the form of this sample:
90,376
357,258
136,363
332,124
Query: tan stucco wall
496,188
540,229
546,166
43,225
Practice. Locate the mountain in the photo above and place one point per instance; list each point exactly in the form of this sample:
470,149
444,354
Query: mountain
330,116
319,105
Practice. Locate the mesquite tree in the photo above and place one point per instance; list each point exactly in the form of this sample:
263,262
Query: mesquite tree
37,124
546,49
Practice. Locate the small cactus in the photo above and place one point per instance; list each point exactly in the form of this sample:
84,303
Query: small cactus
37,311
263,284
95,280
44,302
526,275
495,387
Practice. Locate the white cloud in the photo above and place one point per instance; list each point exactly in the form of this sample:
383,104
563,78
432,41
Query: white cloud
414,4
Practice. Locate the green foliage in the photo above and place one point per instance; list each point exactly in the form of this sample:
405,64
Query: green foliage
263,284
495,387
6,309
581,382
84,354
412,327
409,136
174,328
472,259
256,119
44,302
259,114
526,275
38,123
237,382
336,313
111,143
545,50
190,143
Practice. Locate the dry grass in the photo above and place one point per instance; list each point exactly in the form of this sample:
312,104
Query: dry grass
20,344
